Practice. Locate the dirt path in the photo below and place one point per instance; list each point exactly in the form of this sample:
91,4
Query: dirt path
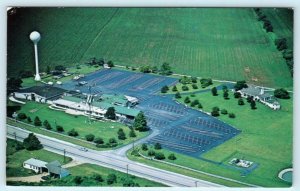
35,178
71,164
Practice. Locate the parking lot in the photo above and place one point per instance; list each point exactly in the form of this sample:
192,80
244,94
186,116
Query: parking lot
181,129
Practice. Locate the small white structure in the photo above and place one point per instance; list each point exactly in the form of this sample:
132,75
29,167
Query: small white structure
37,166
260,95
36,37
241,163
106,66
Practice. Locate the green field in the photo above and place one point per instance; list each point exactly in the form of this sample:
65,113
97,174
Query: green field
266,139
15,159
103,129
206,42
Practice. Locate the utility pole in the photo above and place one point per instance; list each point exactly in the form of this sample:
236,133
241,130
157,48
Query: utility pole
64,155
127,169
15,135
196,183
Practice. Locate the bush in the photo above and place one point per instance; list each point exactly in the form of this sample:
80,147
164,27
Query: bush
37,121
73,133
237,94
144,147
157,146
187,100
172,157
253,104
214,91
98,178
177,95
121,134
111,178
151,153
78,180
159,156
59,129
193,95
224,111
194,86
98,140
90,137
112,140
231,115
185,88
22,116
130,183
174,89
241,101
132,133
47,125
215,111
194,79
110,64
32,143
281,93
164,89
200,106
29,119
194,103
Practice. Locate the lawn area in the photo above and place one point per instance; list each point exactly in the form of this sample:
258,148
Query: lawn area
103,129
15,159
231,41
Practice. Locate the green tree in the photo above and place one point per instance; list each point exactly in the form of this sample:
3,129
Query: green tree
145,69
144,147
73,133
165,69
187,100
48,70
231,115
177,95
78,180
185,80
47,125
121,134
281,93
226,95
111,178
132,133
110,113
237,94
185,88
59,129
174,89
98,178
98,140
194,86
22,116
110,64
90,137
214,91
194,103
29,119
241,101
215,111
194,79
253,104
151,153
154,69
140,122
172,157
224,111
37,121
240,85
159,156
164,89
32,143
157,146
200,106
112,140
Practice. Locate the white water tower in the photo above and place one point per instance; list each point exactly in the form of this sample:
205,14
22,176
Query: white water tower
36,37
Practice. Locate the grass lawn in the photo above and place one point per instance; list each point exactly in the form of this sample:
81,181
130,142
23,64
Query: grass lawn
103,129
15,159
231,41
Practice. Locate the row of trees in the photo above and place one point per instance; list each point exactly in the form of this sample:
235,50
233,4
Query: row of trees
262,17
165,69
157,155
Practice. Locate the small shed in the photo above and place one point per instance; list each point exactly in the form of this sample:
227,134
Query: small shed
37,166
55,169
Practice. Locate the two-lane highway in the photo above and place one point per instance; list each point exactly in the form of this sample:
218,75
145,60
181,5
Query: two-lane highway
110,160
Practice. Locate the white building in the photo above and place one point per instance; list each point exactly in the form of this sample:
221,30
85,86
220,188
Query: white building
37,166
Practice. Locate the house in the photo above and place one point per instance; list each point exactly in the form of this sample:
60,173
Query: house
55,170
37,166
260,95
42,94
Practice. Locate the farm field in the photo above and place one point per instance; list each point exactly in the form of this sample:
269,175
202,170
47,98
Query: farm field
103,129
220,43
15,159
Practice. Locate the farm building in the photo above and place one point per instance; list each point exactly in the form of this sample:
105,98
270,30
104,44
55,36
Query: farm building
42,94
55,170
260,95
37,166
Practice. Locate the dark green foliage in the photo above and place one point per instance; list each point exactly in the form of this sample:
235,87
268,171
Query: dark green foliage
98,140
111,178
90,137
281,93
78,180
59,128
60,68
241,101
177,95
193,95
200,106
185,88
226,95
249,99
121,134
224,88
214,91
22,116
13,84
159,156
253,104
194,103
132,133
240,85
164,89
37,121
194,86
47,125
165,69
144,147
73,133
145,69
231,115
174,89
130,183
29,119
110,64
112,140
281,44
10,110
140,122
98,178
187,100
154,69
194,79
172,157
215,111
237,94
206,82
157,146
185,80
26,74
48,70
151,153
110,113
32,143
224,111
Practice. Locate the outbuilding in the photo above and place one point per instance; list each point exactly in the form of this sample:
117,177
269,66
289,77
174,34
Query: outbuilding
37,166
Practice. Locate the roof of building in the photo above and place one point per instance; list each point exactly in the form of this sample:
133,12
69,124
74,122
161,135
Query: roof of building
45,91
73,99
36,162
119,109
55,168
114,99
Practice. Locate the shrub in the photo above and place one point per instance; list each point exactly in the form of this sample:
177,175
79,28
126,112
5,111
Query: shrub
214,91
172,157
224,111
215,111
73,133
237,94
144,147
78,180
22,116
194,79
37,121
111,178
159,156
121,134
59,128
164,89
185,88
194,103
187,100
231,115
177,95
193,95
241,101
98,178
98,140
132,133
47,125
281,93
253,104
157,146
151,153
200,106
110,64
90,137
174,89
226,95
112,140
32,143
194,86
29,119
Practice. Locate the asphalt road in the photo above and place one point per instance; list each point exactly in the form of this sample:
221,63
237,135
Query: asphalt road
111,160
